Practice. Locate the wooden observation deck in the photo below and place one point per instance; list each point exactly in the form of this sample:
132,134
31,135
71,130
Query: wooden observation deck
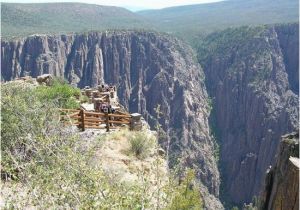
102,111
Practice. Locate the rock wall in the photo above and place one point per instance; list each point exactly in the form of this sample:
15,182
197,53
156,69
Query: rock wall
288,36
149,69
282,181
250,76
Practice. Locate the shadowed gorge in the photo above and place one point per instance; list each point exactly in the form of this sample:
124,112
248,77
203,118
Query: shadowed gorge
251,80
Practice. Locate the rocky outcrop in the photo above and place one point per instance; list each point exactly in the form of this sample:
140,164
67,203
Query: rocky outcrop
288,37
148,69
250,78
282,181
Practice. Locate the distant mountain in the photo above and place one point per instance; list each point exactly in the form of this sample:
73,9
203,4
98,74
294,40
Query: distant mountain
188,21
26,19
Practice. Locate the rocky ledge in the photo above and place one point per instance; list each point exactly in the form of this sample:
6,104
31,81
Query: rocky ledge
282,181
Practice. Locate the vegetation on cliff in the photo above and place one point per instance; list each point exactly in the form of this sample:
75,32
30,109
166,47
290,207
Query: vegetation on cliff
61,93
191,22
46,165
224,42
118,58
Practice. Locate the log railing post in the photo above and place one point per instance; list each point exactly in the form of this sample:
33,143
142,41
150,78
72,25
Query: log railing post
107,122
131,124
135,122
82,120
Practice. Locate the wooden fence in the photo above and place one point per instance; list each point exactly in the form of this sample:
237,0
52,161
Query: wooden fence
85,119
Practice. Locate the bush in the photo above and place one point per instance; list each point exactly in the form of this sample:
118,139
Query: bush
140,144
25,121
52,170
69,180
84,99
64,94
186,195
45,157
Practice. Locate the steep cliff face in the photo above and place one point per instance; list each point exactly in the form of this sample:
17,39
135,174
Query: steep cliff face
148,69
288,37
282,181
250,74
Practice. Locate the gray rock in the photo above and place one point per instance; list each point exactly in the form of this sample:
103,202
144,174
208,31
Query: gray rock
148,69
282,181
251,80
161,152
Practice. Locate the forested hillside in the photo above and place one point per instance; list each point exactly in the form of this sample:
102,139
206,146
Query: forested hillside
190,22
58,18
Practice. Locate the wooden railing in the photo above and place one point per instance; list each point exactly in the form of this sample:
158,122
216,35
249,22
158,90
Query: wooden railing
85,119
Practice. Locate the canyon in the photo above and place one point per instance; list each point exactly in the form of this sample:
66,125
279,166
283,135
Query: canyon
149,69
252,78
243,96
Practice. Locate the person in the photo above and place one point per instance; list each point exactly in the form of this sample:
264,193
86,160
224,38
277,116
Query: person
113,110
111,88
104,108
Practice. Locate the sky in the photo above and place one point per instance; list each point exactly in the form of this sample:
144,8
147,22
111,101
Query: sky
132,5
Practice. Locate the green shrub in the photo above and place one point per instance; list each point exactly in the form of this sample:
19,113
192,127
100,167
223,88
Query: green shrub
140,144
25,120
186,195
69,180
64,94
52,170
45,157
84,99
